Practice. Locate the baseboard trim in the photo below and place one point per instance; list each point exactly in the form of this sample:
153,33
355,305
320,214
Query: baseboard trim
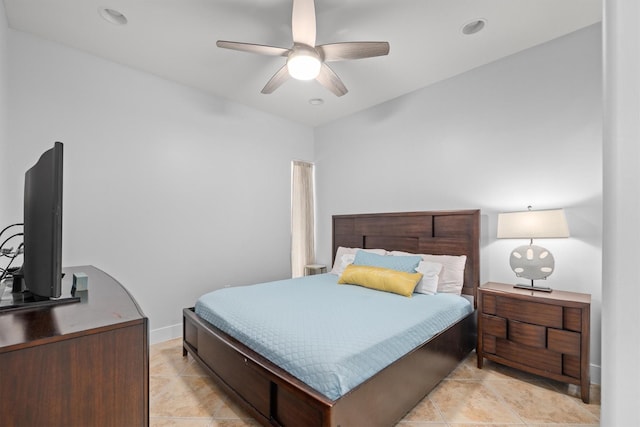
165,334
594,371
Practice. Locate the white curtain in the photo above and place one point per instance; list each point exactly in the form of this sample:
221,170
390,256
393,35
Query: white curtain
302,217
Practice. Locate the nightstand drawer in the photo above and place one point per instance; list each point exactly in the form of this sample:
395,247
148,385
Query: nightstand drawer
571,366
572,319
538,358
489,304
489,344
565,342
496,326
530,312
527,334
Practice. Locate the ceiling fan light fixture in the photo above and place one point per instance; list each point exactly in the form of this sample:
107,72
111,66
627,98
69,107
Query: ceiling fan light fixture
303,64
305,59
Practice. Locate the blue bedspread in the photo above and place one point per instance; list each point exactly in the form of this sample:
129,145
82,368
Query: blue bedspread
332,337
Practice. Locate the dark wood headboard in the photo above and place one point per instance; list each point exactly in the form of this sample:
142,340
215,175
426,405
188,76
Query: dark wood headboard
436,233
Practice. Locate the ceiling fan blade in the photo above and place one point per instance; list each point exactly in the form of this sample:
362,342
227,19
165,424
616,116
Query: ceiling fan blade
329,79
276,81
303,22
352,50
253,48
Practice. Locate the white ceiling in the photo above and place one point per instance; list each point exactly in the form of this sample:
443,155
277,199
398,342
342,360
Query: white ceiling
176,39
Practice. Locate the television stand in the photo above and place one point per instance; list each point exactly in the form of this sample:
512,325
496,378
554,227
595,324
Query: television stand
82,364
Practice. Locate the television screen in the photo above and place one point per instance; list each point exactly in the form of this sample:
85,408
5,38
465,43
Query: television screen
42,267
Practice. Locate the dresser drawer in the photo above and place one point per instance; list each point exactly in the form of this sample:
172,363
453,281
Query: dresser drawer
529,312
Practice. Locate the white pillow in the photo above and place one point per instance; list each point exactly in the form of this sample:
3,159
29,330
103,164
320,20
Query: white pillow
429,282
345,260
340,263
451,278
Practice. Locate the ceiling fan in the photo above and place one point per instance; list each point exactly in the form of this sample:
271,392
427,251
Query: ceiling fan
305,60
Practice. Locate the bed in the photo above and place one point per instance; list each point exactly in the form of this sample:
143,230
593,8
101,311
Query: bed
273,396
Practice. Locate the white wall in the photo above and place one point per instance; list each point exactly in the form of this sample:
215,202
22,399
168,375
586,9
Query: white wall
523,130
171,191
620,288
4,61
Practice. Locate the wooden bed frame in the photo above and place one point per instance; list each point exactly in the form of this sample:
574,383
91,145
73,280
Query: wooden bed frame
274,397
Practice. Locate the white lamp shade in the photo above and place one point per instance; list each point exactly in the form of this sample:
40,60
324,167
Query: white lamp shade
543,224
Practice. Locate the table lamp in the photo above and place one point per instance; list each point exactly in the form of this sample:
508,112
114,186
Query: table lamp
530,261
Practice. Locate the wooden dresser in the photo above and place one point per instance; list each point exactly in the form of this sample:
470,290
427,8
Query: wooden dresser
78,364
542,333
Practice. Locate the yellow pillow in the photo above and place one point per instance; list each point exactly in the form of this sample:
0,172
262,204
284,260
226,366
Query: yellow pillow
382,279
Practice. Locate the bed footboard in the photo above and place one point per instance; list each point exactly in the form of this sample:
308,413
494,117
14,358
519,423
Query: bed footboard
274,397
270,394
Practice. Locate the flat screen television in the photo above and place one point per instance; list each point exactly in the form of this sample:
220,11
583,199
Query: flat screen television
42,263
42,267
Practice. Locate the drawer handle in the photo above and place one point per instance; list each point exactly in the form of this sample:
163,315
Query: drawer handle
245,360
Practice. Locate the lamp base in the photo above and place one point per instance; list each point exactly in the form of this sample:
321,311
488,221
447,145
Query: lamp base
531,287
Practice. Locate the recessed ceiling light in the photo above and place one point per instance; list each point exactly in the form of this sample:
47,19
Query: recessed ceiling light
474,26
316,101
112,15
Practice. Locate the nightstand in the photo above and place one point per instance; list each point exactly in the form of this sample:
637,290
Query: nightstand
311,269
546,334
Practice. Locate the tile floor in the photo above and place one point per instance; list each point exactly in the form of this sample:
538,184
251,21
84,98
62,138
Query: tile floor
182,395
